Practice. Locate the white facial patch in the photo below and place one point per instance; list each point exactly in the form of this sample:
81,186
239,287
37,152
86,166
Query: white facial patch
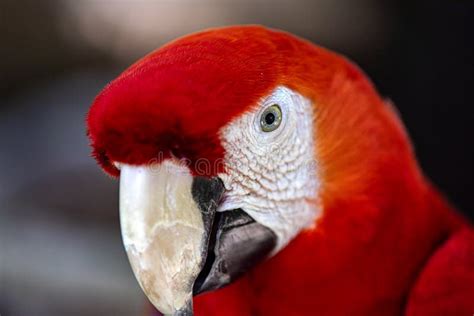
273,176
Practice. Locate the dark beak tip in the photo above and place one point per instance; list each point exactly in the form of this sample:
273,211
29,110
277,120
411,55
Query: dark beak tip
186,311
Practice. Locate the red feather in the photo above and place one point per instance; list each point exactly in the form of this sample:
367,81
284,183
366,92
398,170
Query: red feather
382,221
174,101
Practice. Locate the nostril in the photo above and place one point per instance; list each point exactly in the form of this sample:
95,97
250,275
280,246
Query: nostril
175,147
178,151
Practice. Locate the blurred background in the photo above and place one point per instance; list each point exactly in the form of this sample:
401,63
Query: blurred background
60,246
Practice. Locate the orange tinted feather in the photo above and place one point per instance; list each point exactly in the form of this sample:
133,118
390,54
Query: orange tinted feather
381,218
381,221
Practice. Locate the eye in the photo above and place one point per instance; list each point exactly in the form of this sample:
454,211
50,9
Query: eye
271,118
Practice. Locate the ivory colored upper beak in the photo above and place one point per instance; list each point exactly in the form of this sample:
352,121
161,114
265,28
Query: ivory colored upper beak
164,232
176,242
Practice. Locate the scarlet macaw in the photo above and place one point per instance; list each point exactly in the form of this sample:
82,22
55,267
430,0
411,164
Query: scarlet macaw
251,158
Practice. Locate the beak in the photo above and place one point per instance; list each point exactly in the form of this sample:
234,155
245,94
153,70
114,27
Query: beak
176,242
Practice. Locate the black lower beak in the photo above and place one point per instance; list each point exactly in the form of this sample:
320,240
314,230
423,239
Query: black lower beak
236,242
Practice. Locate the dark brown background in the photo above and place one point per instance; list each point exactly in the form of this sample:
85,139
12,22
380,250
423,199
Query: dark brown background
60,247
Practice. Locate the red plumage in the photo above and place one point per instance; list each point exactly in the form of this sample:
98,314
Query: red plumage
387,241
175,99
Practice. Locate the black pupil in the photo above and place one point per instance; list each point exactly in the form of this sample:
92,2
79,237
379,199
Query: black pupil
269,118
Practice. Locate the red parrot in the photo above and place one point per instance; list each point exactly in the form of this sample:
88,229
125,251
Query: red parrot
263,175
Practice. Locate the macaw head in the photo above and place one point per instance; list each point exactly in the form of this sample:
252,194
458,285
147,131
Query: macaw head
229,143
